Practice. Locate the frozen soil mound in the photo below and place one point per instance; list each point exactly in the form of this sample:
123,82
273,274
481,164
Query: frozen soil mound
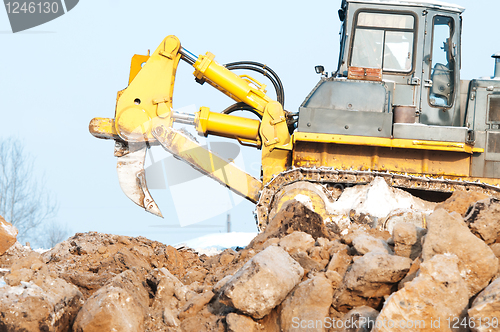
298,275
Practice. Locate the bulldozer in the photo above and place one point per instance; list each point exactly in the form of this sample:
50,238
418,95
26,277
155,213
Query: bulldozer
395,108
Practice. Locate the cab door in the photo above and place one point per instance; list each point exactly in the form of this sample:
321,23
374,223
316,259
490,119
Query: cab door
439,103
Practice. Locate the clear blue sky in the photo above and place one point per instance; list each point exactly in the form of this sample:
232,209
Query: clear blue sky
55,77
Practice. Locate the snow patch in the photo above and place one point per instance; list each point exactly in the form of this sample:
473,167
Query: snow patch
213,244
306,200
25,289
376,199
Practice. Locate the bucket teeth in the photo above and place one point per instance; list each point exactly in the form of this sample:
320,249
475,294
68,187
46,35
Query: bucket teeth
132,177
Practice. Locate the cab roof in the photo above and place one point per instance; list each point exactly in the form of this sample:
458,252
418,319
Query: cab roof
419,3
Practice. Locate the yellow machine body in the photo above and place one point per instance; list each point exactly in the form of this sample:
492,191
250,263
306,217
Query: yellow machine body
144,117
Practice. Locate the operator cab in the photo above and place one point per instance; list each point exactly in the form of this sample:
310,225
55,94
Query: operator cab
398,74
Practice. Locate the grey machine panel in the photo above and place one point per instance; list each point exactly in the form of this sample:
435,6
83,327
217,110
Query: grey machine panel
327,121
347,107
430,133
483,113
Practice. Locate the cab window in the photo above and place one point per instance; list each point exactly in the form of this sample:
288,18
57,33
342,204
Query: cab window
383,41
442,64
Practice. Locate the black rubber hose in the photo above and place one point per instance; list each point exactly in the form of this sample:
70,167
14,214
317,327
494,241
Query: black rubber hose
266,72
279,94
281,90
258,64
241,106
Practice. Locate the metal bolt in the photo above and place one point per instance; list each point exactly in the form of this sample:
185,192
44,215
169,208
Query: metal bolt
346,127
308,124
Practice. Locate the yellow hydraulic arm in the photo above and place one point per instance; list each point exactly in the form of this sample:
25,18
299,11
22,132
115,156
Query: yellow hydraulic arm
144,116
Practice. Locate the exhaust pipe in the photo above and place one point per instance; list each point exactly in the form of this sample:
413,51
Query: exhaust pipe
496,56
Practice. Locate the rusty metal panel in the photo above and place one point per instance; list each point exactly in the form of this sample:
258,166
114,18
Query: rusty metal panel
364,74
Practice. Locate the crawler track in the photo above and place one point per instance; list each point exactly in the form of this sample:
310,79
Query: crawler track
332,177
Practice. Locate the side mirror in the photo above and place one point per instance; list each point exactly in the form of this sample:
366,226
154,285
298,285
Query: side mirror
342,15
320,70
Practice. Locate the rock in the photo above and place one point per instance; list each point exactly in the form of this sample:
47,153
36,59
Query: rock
240,323
194,275
360,319
340,262
118,306
166,304
271,322
407,240
417,218
270,242
324,242
227,256
175,261
370,278
220,284
495,247
412,273
365,243
34,300
447,233
484,220
334,278
424,304
203,321
307,263
195,304
25,269
460,201
294,217
356,230
170,299
336,246
296,242
169,290
309,302
130,282
170,319
485,310
8,234
110,309
15,253
319,254
262,283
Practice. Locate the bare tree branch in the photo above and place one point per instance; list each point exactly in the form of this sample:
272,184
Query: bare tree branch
53,234
24,202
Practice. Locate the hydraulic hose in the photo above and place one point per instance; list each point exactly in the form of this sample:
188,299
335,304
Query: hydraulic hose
255,66
279,93
241,107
